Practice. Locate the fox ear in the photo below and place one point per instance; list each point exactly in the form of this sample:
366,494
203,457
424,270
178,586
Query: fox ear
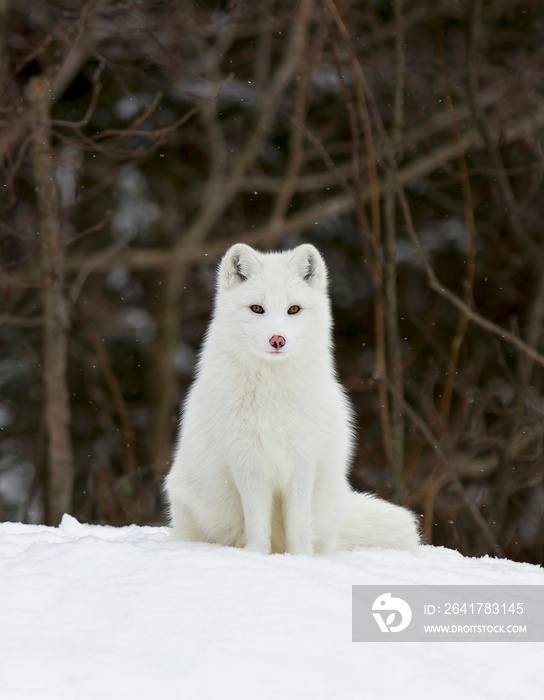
310,265
238,264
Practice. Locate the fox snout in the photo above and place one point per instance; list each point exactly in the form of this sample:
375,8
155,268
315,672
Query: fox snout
277,342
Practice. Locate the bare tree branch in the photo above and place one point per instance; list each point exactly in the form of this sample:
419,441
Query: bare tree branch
159,258
449,471
469,312
394,355
55,311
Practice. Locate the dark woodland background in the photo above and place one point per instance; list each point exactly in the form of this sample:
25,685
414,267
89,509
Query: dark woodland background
139,139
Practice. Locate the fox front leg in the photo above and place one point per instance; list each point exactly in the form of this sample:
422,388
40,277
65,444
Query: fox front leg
256,497
297,512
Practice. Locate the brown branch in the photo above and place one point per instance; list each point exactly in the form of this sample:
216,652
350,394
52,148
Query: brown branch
413,139
330,208
373,261
212,68
4,8
115,390
441,419
90,265
355,189
296,137
74,59
505,191
60,464
469,312
394,355
510,205
449,470
335,175
97,87
471,247
19,321
535,322
218,195
91,229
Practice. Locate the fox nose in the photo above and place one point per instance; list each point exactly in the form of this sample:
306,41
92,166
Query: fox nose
277,341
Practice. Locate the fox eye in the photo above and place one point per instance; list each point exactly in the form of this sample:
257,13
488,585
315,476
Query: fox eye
257,309
293,309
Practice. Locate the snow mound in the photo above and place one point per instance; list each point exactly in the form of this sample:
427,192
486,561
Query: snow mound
96,612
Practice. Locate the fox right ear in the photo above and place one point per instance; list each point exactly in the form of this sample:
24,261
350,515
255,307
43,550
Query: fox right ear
310,265
238,264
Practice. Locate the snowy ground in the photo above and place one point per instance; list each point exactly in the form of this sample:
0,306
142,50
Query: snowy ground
104,613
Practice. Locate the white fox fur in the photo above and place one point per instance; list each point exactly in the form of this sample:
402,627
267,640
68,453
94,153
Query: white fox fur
266,437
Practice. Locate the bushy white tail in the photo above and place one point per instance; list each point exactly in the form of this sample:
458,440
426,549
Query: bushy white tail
372,522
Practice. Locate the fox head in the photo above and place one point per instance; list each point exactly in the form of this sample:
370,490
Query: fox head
273,304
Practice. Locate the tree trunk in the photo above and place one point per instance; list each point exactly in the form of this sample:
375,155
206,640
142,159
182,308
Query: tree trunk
60,465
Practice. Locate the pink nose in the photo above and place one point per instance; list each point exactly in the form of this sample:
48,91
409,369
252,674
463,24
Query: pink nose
277,341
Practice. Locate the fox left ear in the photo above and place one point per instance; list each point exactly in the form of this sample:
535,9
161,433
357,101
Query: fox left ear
310,265
238,265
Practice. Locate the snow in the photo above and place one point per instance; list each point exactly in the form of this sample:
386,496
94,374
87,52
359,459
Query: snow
95,612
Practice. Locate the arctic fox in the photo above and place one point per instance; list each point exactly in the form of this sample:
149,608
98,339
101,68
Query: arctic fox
266,435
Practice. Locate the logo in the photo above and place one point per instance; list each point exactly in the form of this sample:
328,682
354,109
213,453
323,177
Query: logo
392,614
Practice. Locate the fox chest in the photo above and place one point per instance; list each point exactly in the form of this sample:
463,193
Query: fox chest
274,428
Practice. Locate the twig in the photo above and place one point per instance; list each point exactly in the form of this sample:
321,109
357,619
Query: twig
330,208
97,87
11,320
115,389
296,140
469,312
533,251
373,261
471,247
69,68
355,189
394,356
449,470
412,140
509,201
92,229
90,266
